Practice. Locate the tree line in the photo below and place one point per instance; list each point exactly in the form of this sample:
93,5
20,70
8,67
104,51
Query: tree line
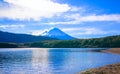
105,42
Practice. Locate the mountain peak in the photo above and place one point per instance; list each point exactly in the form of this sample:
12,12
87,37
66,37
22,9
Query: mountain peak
56,33
54,28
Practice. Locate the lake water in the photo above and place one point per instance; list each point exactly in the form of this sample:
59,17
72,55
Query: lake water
52,61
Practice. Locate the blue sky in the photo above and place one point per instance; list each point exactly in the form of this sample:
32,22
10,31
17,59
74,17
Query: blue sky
78,18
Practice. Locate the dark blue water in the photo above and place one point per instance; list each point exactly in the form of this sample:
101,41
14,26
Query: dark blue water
52,61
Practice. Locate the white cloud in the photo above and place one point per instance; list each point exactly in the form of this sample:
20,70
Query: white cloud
93,18
92,31
84,31
78,9
32,9
38,9
12,27
38,32
77,18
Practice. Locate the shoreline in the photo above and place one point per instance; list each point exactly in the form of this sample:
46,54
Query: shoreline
108,69
112,50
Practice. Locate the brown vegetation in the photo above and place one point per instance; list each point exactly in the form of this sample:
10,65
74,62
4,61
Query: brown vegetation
109,69
113,50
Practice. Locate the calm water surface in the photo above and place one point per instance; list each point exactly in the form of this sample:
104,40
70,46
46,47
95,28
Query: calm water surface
52,61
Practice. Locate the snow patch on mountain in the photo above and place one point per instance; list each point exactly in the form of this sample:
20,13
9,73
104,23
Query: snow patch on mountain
56,33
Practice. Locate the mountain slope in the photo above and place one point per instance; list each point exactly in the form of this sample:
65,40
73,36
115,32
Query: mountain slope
20,38
57,33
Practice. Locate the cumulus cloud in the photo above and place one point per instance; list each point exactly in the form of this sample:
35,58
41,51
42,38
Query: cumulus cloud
31,9
38,9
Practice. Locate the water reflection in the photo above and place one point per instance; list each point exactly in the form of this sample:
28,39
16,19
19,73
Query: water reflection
58,58
40,61
49,61
52,61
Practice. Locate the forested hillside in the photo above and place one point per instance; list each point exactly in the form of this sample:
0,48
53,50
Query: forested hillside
8,45
111,41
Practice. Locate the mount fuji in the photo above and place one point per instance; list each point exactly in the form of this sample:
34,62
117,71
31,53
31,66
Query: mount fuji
57,33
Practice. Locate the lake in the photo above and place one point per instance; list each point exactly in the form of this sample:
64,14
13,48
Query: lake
52,60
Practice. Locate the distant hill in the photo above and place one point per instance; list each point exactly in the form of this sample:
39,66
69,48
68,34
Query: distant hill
57,33
105,42
20,38
53,34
